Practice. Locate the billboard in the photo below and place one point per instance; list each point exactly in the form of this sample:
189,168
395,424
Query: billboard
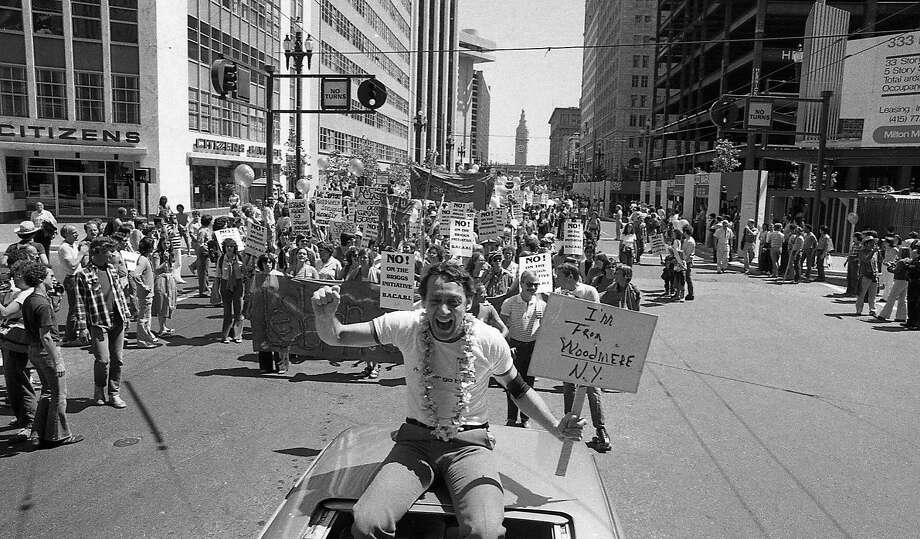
880,99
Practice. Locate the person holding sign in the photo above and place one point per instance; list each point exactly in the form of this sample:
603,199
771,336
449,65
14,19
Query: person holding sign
449,357
567,277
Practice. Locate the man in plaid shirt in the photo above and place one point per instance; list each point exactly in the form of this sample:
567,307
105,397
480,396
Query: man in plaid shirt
103,310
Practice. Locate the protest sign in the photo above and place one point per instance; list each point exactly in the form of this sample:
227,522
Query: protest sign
462,210
340,226
444,213
327,205
574,238
491,224
461,237
544,199
130,260
397,281
515,209
367,210
656,241
300,216
590,344
541,266
230,233
256,240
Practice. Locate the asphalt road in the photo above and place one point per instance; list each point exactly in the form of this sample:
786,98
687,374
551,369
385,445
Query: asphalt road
764,410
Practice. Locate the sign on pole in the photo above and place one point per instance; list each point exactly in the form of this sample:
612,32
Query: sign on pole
367,210
657,244
397,281
461,237
327,206
230,233
256,240
491,224
574,239
300,216
336,93
541,266
760,114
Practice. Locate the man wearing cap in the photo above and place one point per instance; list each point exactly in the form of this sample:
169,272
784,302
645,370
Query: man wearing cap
723,236
26,233
748,237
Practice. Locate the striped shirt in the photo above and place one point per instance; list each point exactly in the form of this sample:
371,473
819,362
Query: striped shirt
523,317
91,305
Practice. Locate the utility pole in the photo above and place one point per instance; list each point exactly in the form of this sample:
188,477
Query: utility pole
269,128
818,218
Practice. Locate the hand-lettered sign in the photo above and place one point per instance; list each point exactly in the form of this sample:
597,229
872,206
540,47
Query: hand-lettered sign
657,244
592,344
541,266
574,238
367,208
256,240
230,233
492,223
300,216
397,281
461,237
327,205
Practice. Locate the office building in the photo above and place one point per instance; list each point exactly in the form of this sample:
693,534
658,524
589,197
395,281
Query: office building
616,94
563,123
381,31
436,37
108,104
521,140
471,130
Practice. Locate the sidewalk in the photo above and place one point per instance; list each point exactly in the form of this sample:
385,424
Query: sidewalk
835,273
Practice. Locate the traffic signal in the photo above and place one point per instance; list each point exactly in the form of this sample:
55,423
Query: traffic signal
724,112
372,94
225,77
231,78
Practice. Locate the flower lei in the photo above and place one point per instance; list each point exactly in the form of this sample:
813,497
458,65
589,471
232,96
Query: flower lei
447,428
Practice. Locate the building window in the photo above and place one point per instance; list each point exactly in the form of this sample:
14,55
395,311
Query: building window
637,60
51,87
126,101
643,101
87,19
13,98
47,17
645,61
11,16
644,81
89,96
15,177
123,20
635,81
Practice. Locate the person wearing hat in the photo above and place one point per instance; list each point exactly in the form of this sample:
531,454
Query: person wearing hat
26,232
723,239
748,238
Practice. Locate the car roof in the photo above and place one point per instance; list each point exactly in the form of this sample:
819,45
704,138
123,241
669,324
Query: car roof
526,460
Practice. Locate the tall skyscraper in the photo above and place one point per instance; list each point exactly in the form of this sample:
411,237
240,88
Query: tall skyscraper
375,29
563,123
435,37
521,139
110,104
616,90
472,124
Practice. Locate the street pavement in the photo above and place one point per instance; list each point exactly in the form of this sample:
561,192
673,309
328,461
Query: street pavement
763,410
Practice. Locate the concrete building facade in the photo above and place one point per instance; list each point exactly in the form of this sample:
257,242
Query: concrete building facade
472,119
563,123
108,104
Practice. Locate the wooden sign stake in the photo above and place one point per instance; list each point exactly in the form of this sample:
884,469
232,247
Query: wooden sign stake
567,445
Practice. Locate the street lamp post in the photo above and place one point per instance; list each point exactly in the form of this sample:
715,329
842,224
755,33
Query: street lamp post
462,153
297,51
449,159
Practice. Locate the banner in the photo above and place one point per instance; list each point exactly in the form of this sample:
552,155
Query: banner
231,233
592,344
475,188
574,238
256,240
397,281
300,216
491,224
327,206
541,266
461,237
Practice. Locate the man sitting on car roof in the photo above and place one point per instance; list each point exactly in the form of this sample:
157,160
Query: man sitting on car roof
449,357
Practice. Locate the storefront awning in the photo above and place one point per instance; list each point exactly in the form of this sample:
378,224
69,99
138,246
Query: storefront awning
199,158
72,148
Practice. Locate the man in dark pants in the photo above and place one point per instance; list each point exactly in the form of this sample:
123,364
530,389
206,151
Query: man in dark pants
522,314
822,251
688,246
913,289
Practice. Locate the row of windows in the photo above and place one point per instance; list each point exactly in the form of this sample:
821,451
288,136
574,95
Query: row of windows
638,101
207,43
330,140
640,61
338,22
637,120
396,16
339,63
48,19
209,114
261,14
639,19
639,81
51,95
381,121
362,7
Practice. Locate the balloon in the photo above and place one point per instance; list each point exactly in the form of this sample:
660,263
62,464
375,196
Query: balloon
322,163
474,169
356,163
302,185
244,175
495,201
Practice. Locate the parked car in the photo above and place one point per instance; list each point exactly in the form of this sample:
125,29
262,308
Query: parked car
538,504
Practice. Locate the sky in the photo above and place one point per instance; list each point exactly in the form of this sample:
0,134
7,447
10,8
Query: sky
536,81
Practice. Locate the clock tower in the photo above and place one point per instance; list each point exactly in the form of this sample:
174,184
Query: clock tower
520,142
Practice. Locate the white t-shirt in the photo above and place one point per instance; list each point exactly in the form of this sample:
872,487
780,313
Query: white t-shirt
491,352
582,291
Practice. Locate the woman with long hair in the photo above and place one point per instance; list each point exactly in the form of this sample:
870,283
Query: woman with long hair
485,311
143,293
628,245
477,267
230,279
301,267
360,267
164,291
163,209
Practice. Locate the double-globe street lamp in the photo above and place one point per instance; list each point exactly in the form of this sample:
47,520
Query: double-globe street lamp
297,51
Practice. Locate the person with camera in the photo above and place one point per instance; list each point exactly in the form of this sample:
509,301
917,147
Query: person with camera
102,316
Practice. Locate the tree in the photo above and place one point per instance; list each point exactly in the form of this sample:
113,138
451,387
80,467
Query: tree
726,159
